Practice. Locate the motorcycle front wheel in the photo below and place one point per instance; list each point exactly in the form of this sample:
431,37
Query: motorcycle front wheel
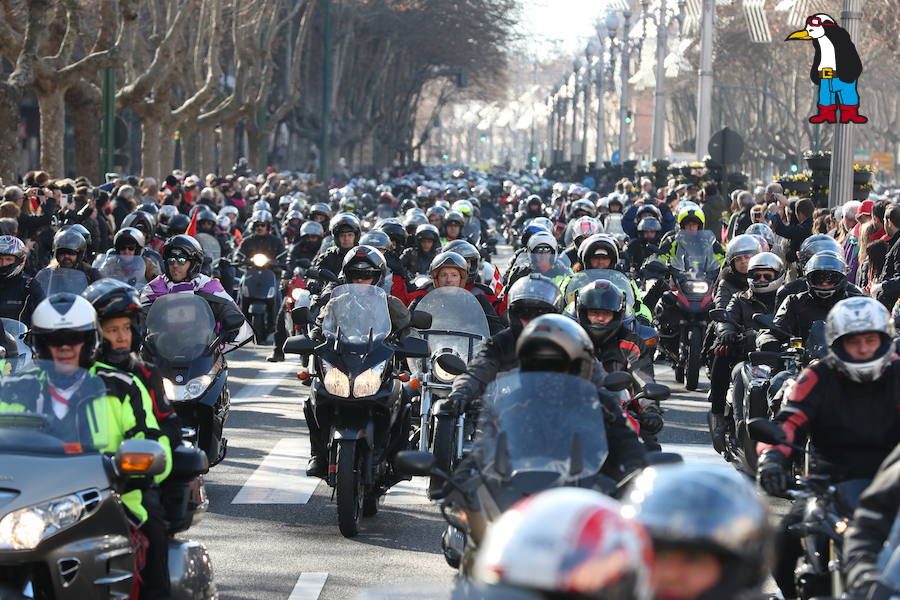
694,359
348,487
442,447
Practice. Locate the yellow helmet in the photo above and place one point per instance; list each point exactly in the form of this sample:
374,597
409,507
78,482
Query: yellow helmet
691,211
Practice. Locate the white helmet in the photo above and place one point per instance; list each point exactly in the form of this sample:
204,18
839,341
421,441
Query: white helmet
65,316
542,239
568,541
765,261
851,316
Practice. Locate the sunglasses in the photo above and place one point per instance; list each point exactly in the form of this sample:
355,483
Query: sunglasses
65,338
762,276
542,250
177,261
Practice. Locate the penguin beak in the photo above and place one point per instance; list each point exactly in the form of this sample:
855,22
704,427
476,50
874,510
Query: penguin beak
799,35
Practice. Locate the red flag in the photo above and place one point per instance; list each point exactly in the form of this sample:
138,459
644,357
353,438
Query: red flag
192,226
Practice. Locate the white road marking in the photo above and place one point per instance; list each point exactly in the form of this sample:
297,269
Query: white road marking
694,452
308,586
408,492
281,478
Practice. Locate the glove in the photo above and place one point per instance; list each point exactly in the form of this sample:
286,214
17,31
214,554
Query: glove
722,350
772,476
651,419
730,338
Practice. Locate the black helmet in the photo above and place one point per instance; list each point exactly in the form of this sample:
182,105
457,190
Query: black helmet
707,508
643,211
531,296
205,215
178,224
376,239
129,236
184,246
826,274
143,222
436,211
364,262
468,252
407,204
814,244
454,217
412,221
598,245
80,229
428,232
150,208
345,223
70,240
585,206
164,216
600,295
112,298
555,343
394,230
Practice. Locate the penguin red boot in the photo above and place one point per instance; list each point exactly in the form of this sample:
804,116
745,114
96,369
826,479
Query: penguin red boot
850,114
827,114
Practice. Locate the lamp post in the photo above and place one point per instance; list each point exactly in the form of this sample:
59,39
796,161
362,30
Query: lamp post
705,85
600,77
662,19
573,140
612,26
586,101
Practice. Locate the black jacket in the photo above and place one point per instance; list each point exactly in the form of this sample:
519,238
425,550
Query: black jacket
799,285
267,244
332,259
619,350
417,262
852,426
890,274
739,222
871,526
19,296
301,250
795,233
741,308
728,284
636,252
797,314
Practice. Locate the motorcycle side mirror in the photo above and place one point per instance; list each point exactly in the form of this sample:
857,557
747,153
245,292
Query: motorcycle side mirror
411,347
414,462
140,457
663,458
304,263
765,431
656,392
451,363
326,275
232,321
299,344
420,319
618,381
301,314
719,315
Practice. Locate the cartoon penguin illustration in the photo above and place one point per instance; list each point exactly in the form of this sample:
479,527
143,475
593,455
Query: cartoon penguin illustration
835,69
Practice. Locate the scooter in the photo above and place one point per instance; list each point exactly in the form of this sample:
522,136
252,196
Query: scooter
259,294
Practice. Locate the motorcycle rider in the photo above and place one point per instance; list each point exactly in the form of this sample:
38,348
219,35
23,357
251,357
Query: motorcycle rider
129,241
363,265
207,223
307,245
600,251
417,260
69,248
64,330
19,294
542,253
345,231
811,246
473,261
581,229
183,256
765,274
643,246
733,275
710,531
826,274
847,406
534,207
453,226
261,240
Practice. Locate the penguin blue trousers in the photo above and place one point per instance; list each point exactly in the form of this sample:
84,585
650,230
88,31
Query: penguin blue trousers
834,91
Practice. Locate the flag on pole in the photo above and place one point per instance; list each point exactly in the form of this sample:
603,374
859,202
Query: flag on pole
192,226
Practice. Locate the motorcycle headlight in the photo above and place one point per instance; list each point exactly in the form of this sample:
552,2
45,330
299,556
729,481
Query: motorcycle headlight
336,381
191,390
696,287
368,382
440,374
25,528
259,260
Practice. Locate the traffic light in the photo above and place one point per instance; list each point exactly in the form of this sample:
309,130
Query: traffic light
532,158
482,138
793,167
445,156
629,118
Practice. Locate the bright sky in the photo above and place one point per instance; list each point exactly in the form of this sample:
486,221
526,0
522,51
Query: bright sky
567,23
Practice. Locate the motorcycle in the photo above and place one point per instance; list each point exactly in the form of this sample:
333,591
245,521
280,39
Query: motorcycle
259,294
64,532
693,270
357,389
128,269
537,430
193,367
458,329
828,509
58,280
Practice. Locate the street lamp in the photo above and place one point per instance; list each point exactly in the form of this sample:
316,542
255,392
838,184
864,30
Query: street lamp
624,48
600,78
586,88
576,70
662,21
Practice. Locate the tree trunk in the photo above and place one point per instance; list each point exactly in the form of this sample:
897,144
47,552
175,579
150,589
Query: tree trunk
10,117
206,146
53,128
226,155
150,134
255,158
166,151
84,101
190,149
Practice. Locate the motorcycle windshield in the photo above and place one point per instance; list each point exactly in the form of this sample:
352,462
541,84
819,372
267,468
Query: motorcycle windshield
210,246
49,408
548,265
130,269
17,330
617,278
180,327
694,253
452,310
357,313
57,280
542,421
